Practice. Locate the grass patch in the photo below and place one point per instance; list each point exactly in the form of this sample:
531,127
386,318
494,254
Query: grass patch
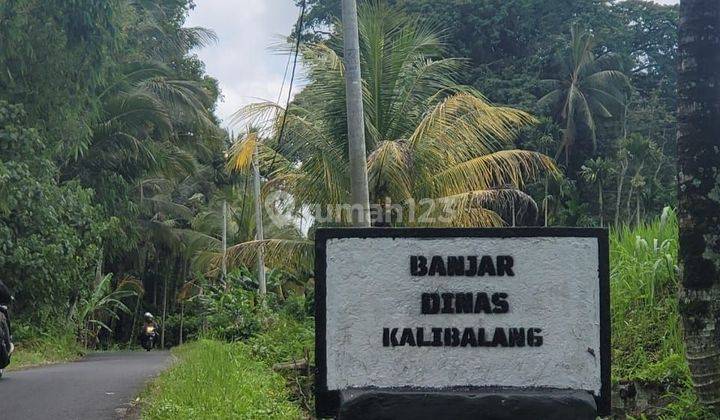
647,335
223,379
289,340
45,350
647,338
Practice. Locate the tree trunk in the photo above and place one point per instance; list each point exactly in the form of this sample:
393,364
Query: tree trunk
355,116
162,329
547,202
132,329
182,320
699,192
618,199
600,199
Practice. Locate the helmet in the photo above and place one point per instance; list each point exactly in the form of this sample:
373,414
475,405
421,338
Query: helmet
148,316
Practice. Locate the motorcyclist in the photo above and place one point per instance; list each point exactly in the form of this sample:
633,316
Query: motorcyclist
149,322
5,299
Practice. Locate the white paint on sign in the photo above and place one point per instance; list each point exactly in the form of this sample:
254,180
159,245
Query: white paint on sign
555,288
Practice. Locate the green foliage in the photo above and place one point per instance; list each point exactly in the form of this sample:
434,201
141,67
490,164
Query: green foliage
50,232
590,87
512,45
114,99
283,340
647,338
428,136
35,346
223,379
101,305
53,54
232,312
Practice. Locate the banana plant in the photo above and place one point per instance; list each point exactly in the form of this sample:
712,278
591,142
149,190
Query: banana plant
101,304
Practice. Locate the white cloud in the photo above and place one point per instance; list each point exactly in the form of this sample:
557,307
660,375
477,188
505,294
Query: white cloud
242,60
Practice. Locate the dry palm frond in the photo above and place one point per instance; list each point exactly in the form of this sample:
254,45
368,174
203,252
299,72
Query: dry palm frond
241,153
473,217
507,167
132,284
288,254
187,291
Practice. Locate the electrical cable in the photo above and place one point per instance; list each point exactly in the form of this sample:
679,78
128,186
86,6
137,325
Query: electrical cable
298,36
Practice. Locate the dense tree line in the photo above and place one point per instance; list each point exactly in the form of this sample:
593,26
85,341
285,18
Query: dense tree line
112,161
109,149
519,51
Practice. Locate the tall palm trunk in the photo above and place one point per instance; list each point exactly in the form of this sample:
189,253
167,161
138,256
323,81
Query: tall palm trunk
546,201
164,313
138,299
182,320
600,200
618,199
698,192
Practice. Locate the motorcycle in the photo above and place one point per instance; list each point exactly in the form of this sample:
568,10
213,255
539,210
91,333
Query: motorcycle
147,339
6,347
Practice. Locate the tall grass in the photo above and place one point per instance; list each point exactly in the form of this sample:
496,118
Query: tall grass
646,332
647,339
36,346
220,381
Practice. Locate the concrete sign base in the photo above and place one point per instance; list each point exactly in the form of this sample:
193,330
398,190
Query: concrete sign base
490,404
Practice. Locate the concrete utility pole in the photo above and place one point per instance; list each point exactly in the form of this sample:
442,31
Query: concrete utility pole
259,234
224,241
355,116
698,192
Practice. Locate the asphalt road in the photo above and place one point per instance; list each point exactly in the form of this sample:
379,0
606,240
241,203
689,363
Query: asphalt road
97,387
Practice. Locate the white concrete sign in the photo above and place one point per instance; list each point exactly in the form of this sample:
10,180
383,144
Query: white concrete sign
471,308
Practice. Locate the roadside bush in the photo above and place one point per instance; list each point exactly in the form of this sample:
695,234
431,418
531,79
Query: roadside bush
49,344
232,313
284,340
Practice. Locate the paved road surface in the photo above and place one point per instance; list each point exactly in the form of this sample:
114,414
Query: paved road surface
92,388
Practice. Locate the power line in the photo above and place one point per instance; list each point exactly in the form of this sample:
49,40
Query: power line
298,34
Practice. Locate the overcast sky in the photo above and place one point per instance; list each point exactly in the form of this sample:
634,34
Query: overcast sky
242,60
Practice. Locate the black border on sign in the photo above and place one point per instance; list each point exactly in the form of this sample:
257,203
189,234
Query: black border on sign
327,402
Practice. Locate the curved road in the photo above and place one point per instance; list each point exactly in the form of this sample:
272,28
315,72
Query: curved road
99,386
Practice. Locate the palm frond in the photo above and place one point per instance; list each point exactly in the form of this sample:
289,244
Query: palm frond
289,254
241,153
507,167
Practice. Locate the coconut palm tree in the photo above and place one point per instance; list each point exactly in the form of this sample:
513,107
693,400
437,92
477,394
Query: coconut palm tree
428,138
590,87
698,204
594,171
